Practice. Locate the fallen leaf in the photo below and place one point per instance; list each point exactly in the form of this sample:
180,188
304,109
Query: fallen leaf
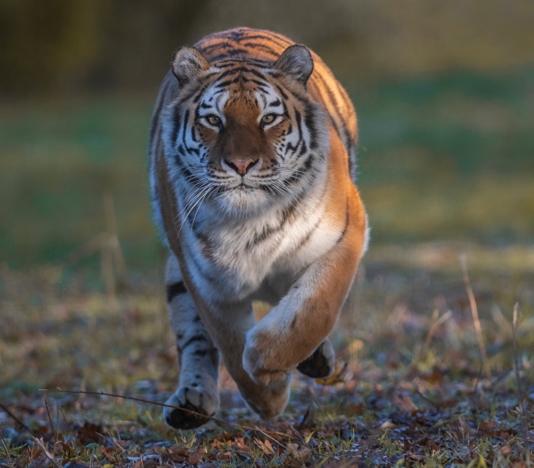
195,458
404,403
89,433
265,447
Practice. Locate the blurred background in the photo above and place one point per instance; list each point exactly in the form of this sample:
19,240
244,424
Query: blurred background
444,91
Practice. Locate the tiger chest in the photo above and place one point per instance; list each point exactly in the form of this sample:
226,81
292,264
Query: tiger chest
235,259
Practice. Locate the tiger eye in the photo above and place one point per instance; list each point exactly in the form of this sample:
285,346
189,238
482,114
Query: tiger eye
267,119
213,120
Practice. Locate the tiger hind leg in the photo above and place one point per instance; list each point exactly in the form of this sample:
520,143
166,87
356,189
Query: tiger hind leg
197,397
321,363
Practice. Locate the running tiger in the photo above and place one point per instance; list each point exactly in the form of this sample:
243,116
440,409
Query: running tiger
252,162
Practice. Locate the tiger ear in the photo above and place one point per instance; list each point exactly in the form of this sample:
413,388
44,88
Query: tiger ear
297,62
188,64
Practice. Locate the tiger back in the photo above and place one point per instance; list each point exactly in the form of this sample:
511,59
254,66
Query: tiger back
252,149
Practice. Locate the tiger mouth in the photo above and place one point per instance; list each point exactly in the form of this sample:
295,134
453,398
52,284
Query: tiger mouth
241,187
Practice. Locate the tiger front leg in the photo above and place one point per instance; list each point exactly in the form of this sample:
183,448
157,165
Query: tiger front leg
298,326
228,324
197,397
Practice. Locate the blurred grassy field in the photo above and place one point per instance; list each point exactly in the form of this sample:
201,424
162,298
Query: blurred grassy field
448,158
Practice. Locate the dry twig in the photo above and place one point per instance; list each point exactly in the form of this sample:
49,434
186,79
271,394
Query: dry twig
50,457
436,322
520,394
17,420
476,320
52,428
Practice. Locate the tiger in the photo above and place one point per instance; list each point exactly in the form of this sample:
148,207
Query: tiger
252,166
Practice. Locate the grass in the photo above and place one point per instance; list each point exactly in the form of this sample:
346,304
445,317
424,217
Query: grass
407,396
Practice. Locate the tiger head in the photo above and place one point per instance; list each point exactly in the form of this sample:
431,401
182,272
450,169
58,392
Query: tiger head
244,133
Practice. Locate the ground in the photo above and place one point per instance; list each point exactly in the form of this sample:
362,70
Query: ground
411,387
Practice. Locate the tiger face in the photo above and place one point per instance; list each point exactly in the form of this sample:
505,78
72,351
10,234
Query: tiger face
244,136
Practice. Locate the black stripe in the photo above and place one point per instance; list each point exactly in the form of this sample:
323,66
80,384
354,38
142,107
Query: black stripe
155,124
280,40
281,91
288,212
257,73
309,233
176,121
302,171
200,93
265,48
299,125
339,122
342,235
344,96
228,63
231,53
260,237
185,123
191,178
310,121
261,85
175,289
225,83
193,339
218,45
231,71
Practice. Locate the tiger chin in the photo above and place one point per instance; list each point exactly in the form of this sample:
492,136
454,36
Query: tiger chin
251,152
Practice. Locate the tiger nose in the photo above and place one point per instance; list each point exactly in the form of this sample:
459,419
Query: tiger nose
241,166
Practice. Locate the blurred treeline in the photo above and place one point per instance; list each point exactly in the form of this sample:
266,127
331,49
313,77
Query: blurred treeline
65,47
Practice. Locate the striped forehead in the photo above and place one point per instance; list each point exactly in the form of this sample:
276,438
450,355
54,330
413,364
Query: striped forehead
213,101
241,84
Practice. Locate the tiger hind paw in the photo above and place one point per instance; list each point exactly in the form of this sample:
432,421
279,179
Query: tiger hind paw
321,363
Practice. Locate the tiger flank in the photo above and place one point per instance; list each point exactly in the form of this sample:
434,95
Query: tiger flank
252,148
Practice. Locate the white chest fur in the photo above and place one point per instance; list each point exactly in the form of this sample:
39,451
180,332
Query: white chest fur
233,257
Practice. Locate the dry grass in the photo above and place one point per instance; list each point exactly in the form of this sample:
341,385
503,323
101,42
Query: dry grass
412,391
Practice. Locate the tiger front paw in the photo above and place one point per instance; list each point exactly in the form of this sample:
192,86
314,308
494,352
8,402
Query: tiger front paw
190,407
260,359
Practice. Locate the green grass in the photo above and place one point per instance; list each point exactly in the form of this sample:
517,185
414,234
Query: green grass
447,157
